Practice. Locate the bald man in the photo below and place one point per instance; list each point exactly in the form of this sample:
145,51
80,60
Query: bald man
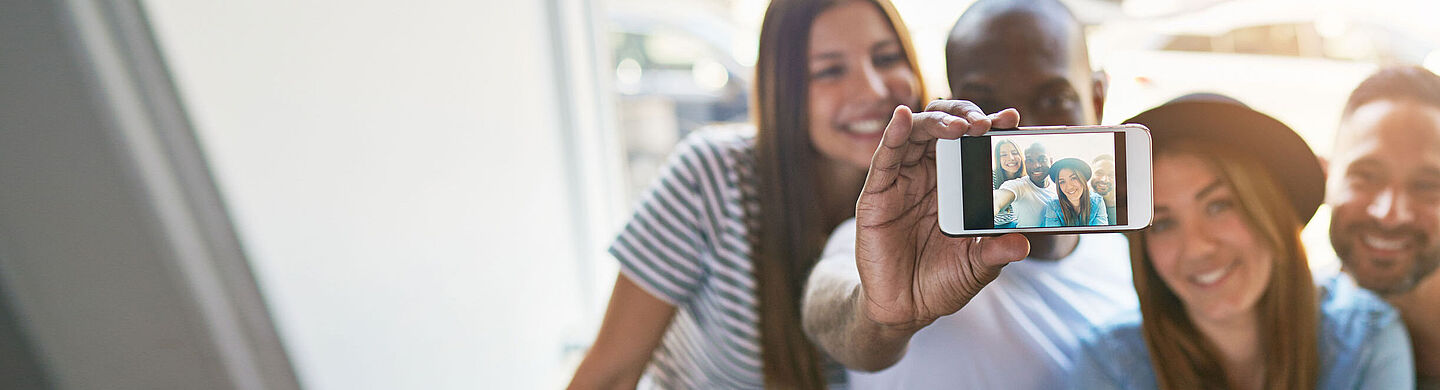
1021,330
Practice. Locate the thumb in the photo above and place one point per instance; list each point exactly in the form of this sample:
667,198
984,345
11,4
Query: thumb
898,131
1005,119
998,251
891,153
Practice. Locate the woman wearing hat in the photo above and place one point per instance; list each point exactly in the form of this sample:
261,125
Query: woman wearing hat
1226,295
1074,204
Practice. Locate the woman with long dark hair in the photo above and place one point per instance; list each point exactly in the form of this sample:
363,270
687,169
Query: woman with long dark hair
713,261
1226,295
1074,204
1009,164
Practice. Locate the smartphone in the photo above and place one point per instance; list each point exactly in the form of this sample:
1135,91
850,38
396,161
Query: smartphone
1057,180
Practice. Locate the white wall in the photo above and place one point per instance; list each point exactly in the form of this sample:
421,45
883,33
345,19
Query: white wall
398,181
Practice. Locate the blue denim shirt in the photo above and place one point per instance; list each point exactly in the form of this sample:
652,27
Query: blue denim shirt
1098,214
1363,345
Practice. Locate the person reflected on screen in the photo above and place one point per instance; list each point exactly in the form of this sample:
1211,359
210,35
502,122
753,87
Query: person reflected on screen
1009,165
1074,204
1028,195
1104,184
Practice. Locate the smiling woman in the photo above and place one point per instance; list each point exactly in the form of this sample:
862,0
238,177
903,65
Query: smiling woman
1226,294
712,263
1008,165
858,73
1074,204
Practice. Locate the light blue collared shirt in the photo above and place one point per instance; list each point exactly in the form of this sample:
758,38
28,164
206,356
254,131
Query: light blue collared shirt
1363,345
1098,215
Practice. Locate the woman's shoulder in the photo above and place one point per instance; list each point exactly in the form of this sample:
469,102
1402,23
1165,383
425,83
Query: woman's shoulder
714,152
719,139
1352,314
1052,203
1097,203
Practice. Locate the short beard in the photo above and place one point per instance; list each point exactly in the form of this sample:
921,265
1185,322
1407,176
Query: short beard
1425,262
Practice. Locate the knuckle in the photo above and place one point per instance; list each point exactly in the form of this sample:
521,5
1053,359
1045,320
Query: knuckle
935,105
931,116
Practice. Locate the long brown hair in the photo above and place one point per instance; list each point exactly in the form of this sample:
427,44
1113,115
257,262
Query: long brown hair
1000,176
1069,215
791,227
1181,356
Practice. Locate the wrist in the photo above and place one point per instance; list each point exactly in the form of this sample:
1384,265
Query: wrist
883,330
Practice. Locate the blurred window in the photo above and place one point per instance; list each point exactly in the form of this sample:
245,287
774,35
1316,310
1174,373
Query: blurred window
670,79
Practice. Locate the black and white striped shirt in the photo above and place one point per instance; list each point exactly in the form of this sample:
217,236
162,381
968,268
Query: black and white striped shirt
688,245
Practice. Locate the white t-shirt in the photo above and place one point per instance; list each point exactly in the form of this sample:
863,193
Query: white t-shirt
1030,200
1021,332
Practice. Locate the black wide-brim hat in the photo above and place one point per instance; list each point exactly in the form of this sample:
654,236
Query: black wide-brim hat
1236,127
1075,164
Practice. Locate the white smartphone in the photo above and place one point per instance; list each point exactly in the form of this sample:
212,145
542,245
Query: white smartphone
1057,180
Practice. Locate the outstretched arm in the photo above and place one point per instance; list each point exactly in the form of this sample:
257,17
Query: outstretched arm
905,272
1003,197
833,316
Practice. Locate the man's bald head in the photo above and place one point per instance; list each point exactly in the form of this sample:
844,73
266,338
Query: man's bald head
1004,53
1044,26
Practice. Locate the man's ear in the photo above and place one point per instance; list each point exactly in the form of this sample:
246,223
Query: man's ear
1100,84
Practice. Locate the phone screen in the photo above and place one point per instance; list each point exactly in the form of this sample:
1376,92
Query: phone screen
1044,180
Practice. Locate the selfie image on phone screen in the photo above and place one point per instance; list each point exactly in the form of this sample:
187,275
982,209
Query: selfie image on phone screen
1044,180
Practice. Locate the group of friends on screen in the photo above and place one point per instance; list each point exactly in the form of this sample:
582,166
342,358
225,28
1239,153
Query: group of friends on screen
1030,191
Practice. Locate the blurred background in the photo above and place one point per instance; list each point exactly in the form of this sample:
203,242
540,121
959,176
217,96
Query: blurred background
423,191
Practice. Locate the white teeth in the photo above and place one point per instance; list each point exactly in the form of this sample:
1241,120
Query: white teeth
1212,276
1384,244
867,127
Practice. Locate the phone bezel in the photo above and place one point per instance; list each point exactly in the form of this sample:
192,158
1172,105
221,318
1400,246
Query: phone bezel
1138,179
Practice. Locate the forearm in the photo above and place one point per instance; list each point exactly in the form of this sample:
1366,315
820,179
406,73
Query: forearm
631,330
834,319
589,376
1001,199
610,364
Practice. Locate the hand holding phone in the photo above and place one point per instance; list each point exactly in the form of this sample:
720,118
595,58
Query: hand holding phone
911,273
1063,179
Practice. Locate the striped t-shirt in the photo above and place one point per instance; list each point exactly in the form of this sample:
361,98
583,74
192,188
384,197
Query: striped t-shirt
687,245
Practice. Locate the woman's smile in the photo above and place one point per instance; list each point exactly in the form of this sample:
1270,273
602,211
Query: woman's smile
1213,277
